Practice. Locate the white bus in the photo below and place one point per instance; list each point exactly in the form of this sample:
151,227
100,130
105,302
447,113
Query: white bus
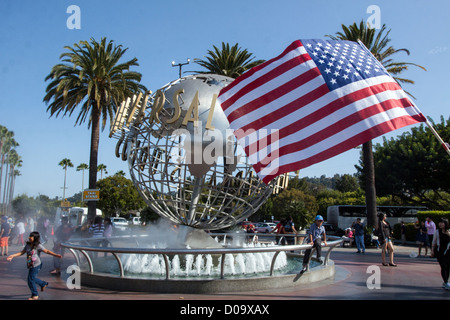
342,216
77,216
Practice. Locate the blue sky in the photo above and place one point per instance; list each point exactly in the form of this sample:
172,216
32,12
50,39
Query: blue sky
33,35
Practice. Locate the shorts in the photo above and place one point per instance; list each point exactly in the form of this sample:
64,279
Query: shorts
4,242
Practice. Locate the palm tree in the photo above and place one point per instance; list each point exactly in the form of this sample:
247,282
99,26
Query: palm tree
65,163
92,79
230,62
82,167
13,160
7,143
377,43
101,168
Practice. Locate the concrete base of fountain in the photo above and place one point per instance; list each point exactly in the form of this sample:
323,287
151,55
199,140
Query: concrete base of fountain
196,279
204,286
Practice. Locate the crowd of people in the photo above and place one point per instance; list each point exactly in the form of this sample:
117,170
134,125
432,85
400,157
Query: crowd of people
436,239
14,232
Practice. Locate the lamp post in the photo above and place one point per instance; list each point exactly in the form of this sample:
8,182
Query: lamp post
180,65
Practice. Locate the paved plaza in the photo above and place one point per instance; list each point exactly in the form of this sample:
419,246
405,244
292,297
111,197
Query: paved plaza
413,279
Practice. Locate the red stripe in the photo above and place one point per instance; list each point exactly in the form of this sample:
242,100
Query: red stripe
287,109
263,79
275,94
352,142
334,129
318,114
293,46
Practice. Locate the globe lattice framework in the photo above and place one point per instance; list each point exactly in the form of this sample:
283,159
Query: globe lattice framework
162,155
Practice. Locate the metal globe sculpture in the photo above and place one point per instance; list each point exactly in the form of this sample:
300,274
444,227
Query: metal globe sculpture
185,160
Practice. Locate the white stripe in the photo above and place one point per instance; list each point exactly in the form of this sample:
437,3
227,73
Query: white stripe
260,73
278,103
272,85
324,101
341,136
338,115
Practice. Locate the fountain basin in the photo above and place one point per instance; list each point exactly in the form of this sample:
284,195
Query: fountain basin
116,278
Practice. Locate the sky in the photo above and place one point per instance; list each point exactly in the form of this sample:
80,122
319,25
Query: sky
33,34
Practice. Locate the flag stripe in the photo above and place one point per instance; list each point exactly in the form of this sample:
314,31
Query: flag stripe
236,85
313,102
292,146
341,107
336,149
272,79
273,95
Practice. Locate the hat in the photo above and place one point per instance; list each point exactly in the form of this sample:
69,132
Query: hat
319,217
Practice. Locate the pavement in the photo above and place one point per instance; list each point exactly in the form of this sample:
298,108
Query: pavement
356,278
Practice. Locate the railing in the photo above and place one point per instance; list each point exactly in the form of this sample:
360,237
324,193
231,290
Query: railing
84,249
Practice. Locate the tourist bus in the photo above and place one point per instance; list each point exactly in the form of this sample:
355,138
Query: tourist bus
342,216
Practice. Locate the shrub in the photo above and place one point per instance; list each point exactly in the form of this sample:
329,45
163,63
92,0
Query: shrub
435,215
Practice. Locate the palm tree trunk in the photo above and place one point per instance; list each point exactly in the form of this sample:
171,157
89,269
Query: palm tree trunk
371,196
11,187
64,188
95,137
4,189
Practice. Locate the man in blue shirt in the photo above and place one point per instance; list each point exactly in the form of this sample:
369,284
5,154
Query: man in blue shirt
359,235
315,235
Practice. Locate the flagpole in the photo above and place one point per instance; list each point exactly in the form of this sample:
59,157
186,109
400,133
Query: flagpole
442,142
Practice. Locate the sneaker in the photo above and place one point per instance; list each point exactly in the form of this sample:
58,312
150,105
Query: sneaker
45,286
446,286
34,298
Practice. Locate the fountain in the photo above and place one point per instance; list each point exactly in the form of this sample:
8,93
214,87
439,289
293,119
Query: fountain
187,165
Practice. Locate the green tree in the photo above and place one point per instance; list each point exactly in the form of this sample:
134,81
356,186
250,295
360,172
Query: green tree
65,163
300,206
82,167
118,196
378,45
228,61
8,154
13,160
414,167
102,169
347,183
92,79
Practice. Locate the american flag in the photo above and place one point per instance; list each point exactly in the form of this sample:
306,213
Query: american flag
316,100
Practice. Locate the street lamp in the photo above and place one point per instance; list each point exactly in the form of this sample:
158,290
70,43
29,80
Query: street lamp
180,65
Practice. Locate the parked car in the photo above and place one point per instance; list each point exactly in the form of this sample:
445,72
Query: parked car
135,221
265,227
119,223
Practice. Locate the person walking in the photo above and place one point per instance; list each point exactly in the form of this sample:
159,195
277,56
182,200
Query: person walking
289,229
431,229
440,250
358,226
403,232
421,237
4,235
62,234
20,226
384,236
315,235
33,249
